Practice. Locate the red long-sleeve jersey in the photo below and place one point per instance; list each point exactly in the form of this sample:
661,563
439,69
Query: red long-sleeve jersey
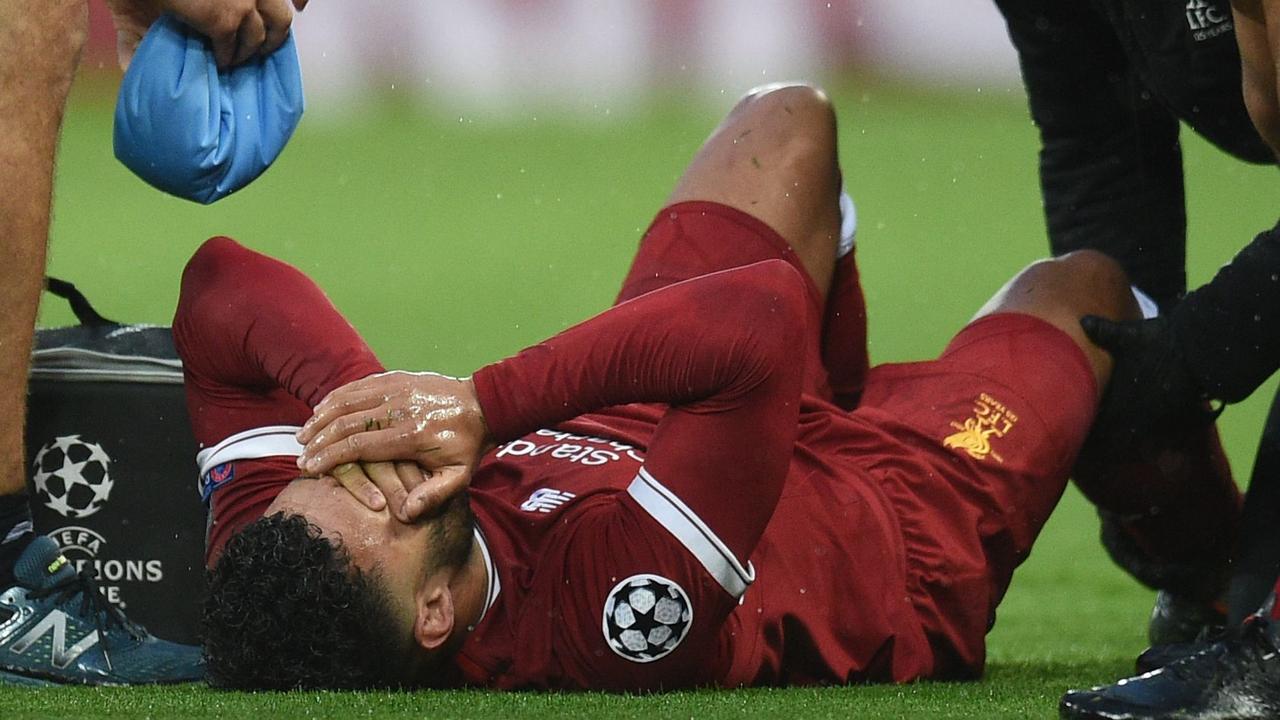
723,526
625,543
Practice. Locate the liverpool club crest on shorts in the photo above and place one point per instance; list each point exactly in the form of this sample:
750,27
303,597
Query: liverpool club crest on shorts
991,419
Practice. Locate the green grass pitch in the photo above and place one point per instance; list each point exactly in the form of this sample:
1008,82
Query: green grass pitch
452,241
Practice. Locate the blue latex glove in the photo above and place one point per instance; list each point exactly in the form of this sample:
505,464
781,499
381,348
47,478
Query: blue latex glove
198,133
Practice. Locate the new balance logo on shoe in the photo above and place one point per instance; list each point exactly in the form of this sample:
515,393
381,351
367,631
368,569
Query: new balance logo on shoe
60,624
60,655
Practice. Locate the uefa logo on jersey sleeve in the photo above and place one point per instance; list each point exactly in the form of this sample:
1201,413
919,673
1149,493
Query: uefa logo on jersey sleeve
646,617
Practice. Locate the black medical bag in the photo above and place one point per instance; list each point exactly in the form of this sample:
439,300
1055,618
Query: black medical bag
112,464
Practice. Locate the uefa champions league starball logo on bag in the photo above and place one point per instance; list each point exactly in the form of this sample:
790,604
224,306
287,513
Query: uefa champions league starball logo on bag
72,476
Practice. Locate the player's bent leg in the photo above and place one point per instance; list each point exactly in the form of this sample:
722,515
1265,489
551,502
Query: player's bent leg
774,158
979,444
766,185
1169,508
1169,505
995,425
1062,290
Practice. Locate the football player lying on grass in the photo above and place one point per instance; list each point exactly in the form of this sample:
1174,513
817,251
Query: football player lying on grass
703,485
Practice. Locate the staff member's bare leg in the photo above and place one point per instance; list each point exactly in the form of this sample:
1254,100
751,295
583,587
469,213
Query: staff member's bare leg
39,47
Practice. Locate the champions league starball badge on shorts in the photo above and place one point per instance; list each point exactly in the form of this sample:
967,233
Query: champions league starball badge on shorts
646,617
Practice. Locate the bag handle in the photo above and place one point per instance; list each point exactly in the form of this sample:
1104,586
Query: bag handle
79,303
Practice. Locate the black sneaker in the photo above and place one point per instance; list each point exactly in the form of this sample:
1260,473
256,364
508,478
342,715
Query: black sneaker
1236,678
1179,619
1158,656
57,628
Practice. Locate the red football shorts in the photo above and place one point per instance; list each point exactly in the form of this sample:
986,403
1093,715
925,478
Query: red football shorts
975,449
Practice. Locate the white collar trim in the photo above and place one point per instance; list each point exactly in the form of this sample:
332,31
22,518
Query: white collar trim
494,582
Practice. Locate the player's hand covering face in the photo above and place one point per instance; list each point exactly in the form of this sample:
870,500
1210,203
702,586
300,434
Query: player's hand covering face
379,485
237,29
433,421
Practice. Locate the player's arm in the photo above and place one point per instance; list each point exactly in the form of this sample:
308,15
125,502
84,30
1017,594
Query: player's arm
721,350
256,322
1110,164
1258,35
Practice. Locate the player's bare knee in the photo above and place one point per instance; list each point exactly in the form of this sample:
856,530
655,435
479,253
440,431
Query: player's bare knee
774,157
790,133
1094,263
1100,284
796,110
793,98
776,134
1063,289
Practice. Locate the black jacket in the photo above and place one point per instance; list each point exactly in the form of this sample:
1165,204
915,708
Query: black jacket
1108,82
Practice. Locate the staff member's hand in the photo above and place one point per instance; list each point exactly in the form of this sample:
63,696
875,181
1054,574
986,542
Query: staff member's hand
432,420
237,29
1151,389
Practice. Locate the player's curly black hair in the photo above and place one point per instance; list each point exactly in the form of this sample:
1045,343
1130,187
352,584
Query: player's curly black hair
288,609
